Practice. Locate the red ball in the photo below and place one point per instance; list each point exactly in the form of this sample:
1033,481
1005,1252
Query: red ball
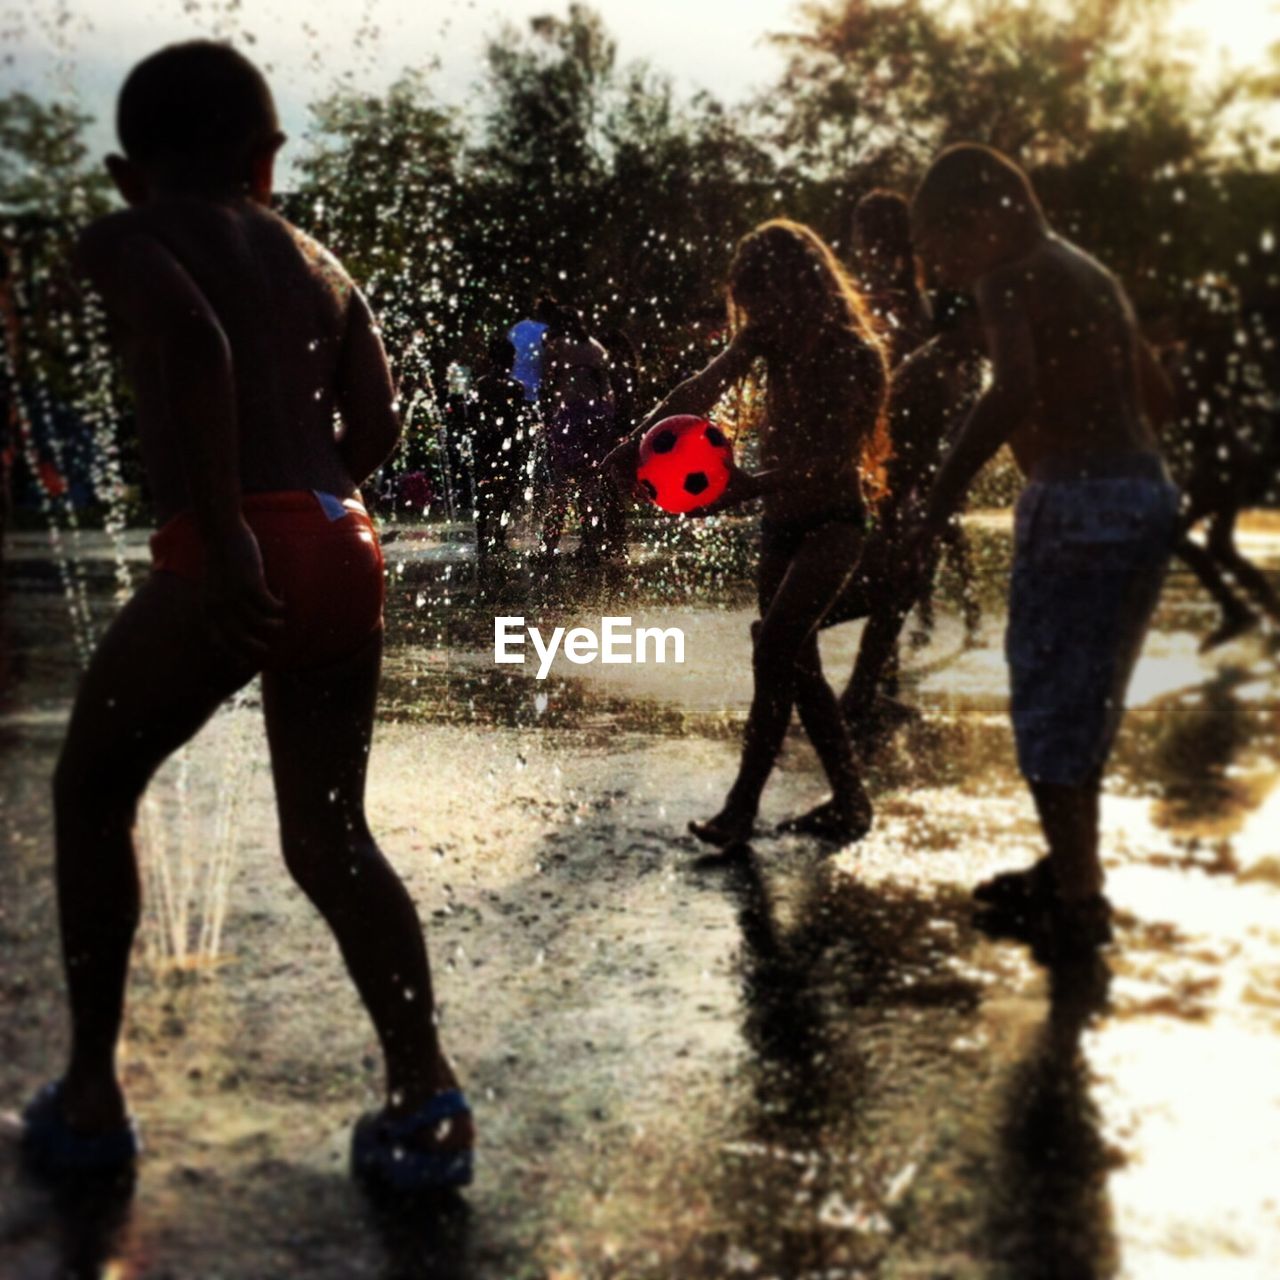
684,463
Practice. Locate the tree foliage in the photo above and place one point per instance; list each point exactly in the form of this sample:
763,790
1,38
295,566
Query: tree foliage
592,178
1132,153
44,166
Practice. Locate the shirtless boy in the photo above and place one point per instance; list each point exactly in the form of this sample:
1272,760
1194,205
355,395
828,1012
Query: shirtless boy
1093,527
242,338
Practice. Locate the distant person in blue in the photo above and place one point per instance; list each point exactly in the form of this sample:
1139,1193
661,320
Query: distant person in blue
526,336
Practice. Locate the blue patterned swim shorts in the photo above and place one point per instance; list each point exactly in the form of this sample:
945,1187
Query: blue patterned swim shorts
1092,538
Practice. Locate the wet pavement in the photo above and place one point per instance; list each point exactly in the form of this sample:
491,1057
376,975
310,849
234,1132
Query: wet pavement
792,1066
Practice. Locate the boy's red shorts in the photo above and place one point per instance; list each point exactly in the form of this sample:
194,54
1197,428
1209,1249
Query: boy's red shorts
321,557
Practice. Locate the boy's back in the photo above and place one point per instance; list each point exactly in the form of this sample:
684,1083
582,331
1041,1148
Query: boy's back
1067,322
301,340
1071,383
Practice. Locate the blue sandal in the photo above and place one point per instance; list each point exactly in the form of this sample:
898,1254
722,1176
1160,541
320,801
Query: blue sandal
383,1149
52,1146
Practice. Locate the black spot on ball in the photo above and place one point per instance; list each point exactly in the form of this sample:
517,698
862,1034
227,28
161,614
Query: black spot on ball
650,488
664,442
716,437
696,482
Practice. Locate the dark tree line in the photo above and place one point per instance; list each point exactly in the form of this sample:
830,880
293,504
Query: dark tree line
591,178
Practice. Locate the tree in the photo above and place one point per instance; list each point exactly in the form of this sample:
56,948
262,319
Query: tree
595,182
881,84
43,162
1129,151
59,397
380,188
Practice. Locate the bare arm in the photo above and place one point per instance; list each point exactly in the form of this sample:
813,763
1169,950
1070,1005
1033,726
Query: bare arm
175,334
366,395
695,395
168,322
698,394
845,394
920,397
1004,406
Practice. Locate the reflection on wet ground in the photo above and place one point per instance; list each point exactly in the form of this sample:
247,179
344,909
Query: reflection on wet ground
780,1065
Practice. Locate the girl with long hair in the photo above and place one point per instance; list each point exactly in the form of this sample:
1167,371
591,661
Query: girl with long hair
824,443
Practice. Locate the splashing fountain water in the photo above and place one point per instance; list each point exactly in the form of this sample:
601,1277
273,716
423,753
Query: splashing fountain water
541,820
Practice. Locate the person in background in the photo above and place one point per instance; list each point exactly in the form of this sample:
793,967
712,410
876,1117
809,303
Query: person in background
929,395
884,265
580,428
1225,453
497,413
624,377
526,337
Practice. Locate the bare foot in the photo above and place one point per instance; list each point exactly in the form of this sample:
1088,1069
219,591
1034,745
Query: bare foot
881,716
727,829
1230,628
842,823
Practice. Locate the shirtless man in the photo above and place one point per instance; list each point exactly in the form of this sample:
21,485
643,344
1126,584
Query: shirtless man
242,338
1093,527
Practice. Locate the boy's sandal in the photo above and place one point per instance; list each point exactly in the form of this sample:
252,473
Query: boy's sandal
53,1147
386,1150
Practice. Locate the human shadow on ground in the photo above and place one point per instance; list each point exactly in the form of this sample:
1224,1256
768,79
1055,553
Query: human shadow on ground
1050,1216
830,970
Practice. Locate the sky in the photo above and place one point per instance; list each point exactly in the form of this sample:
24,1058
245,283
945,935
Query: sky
83,48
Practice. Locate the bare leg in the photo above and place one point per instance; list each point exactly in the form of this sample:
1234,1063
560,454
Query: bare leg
557,513
1237,617
877,649
497,499
1222,546
606,500
154,679
320,726
591,490
806,587
848,815
1069,818
1057,905
956,545
490,535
